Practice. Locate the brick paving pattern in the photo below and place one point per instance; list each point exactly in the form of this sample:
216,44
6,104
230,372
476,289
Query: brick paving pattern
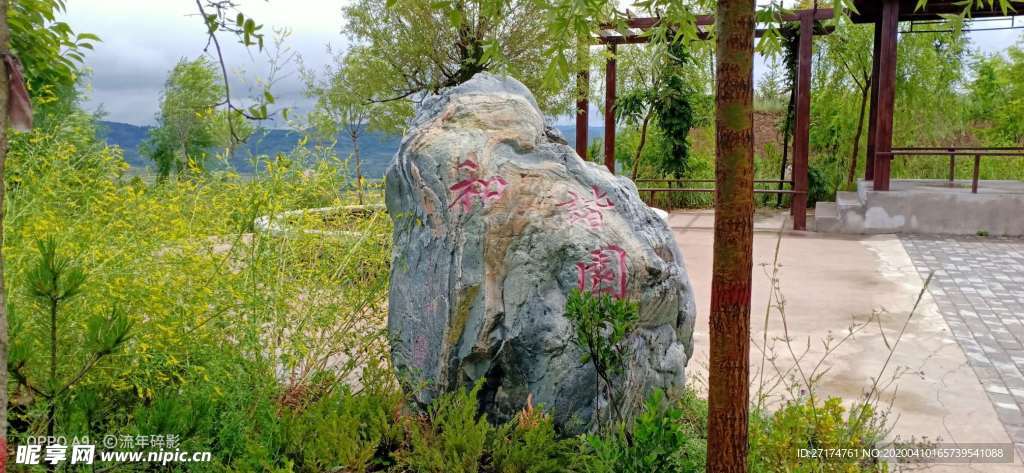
979,289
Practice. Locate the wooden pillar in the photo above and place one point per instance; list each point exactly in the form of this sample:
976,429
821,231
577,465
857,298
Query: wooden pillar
886,93
977,169
952,168
609,110
869,160
801,130
582,113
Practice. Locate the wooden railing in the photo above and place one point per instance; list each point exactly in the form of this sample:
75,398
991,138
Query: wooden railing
780,183
953,152
682,182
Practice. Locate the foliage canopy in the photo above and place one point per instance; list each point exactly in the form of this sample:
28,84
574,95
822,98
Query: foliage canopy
190,125
50,50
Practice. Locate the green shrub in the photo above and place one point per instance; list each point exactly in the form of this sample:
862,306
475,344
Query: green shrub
529,444
776,438
665,437
223,319
350,432
600,325
450,437
820,186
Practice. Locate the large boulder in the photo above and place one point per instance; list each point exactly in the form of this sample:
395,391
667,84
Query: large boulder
496,220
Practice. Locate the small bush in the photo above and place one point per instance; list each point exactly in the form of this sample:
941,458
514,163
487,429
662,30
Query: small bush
343,431
665,437
601,324
450,437
776,438
529,444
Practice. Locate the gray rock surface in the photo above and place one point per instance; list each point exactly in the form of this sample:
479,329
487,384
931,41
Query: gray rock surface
496,220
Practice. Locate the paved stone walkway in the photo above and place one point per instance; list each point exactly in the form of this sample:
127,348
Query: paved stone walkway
979,288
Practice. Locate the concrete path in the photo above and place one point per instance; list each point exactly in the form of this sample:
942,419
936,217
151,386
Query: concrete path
978,285
834,283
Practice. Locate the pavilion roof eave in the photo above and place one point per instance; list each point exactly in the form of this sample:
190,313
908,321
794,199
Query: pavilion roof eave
869,11
644,23
636,26
703,35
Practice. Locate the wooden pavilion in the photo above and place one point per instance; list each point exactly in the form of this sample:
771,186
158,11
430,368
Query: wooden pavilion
635,34
884,14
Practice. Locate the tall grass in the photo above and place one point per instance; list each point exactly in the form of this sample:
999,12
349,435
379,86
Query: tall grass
229,324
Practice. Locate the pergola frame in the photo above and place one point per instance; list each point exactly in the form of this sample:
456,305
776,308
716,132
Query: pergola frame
801,137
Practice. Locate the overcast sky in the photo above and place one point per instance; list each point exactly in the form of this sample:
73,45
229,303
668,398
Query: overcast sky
143,39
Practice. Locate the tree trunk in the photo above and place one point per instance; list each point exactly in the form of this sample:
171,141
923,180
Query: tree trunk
643,141
860,128
359,167
728,393
4,42
786,132
51,417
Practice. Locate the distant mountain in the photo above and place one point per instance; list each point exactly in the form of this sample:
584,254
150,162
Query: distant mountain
128,138
376,149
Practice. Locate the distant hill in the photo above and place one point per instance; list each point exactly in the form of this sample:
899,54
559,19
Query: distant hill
376,149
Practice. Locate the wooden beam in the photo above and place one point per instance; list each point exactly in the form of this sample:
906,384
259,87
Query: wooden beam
886,93
609,110
643,23
870,11
869,161
582,113
701,35
816,14
801,131
632,39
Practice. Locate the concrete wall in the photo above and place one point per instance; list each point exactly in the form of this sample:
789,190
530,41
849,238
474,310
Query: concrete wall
930,206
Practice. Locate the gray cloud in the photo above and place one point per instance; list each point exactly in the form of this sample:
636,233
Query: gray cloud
142,40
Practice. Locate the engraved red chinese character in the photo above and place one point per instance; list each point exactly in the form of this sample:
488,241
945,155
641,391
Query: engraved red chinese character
605,273
474,189
587,209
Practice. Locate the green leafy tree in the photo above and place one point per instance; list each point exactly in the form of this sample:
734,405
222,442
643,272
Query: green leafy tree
50,51
658,88
848,51
996,96
641,84
771,88
636,109
190,125
5,37
675,118
225,16
421,46
344,106
929,99
930,108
